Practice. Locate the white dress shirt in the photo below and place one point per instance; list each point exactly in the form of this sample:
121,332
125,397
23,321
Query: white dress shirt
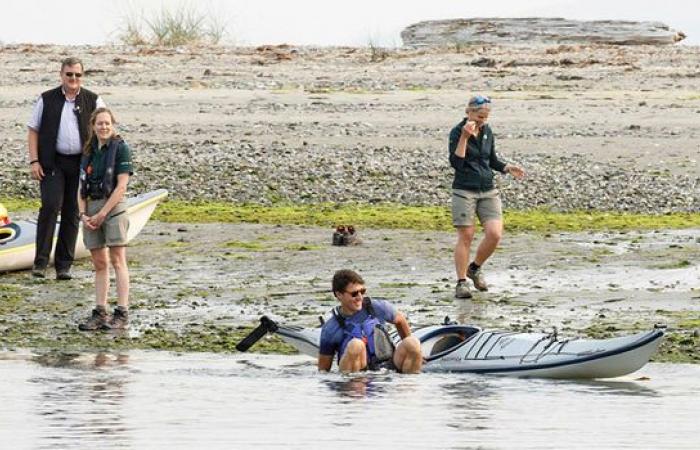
68,140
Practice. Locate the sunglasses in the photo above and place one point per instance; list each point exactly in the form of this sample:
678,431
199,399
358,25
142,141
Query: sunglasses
479,100
74,74
357,293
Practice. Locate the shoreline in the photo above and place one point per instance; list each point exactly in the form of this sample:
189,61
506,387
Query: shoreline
202,287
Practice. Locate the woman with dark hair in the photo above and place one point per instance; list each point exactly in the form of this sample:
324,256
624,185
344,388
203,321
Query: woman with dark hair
104,174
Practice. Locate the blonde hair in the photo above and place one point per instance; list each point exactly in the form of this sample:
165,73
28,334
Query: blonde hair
87,148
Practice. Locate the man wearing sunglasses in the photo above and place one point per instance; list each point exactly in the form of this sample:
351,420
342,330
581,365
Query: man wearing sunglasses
357,335
57,130
472,152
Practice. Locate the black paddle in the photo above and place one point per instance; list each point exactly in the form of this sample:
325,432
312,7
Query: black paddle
266,325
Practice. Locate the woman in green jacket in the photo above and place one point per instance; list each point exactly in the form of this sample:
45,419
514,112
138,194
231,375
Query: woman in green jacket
104,175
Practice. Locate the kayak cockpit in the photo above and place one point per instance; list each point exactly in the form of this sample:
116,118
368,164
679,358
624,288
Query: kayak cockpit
439,341
9,233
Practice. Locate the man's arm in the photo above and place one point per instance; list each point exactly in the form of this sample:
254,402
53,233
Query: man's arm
402,325
37,171
325,362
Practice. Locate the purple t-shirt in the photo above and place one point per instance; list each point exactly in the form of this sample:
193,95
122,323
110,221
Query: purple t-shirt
332,335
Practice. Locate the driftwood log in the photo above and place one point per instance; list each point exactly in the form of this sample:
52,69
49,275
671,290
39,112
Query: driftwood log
538,30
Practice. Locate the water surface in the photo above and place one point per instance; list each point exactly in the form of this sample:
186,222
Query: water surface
164,400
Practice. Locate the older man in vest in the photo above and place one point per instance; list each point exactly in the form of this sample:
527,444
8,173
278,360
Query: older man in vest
57,130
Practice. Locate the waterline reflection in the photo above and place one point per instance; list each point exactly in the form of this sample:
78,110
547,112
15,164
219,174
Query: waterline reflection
80,405
164,400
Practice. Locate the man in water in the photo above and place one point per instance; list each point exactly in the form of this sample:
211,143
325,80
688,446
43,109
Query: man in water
356,334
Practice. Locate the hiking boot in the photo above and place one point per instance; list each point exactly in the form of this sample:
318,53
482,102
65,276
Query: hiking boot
97,321
64,275
350,237
478,278
339,235
39,272
462,290
119,320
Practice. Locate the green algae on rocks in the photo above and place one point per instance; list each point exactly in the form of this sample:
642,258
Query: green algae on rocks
393,216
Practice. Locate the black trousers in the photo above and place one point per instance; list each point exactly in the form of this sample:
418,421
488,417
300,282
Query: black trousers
59,194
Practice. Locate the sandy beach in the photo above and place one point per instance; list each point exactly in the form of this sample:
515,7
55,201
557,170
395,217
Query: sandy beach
596,127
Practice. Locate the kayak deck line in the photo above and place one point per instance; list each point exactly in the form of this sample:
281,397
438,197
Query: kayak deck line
586,359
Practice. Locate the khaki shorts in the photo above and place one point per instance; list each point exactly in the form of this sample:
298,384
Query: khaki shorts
114,230
467,204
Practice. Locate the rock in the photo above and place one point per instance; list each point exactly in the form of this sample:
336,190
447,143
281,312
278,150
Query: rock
538,30
483,62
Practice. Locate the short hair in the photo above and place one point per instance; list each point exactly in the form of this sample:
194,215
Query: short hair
343,277
71,61
478,102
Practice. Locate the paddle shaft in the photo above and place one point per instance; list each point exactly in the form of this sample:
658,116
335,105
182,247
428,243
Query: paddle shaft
261,330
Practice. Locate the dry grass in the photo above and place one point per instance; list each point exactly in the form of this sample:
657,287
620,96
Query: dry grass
182,25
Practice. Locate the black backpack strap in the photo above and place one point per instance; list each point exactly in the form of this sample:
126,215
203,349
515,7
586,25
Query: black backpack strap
339,317
84,162
109,181
367,305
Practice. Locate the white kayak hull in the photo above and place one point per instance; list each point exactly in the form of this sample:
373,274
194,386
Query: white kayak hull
18,249
462,348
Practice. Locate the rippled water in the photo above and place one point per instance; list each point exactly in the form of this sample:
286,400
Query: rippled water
162,400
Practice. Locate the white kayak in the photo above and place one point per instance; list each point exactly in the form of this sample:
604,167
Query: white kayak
468,348
18,239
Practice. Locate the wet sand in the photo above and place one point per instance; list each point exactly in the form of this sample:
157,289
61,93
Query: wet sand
199,287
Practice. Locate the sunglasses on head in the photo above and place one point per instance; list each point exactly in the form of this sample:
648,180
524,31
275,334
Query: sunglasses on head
479,100
74,74
357,293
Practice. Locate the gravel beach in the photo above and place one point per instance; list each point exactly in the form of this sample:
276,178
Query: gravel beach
609,128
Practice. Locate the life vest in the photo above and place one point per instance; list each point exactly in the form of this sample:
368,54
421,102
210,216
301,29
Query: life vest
109,180
364,331
4,216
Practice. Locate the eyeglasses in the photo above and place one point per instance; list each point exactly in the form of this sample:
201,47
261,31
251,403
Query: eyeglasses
74,74
479,100
357,293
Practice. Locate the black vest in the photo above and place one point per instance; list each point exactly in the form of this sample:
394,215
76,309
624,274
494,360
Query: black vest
85,104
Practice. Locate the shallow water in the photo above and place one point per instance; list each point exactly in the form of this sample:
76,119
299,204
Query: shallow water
163,400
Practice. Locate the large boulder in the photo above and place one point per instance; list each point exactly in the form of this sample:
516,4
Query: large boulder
537,30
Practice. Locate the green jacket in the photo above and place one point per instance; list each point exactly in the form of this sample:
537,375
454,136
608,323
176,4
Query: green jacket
474,172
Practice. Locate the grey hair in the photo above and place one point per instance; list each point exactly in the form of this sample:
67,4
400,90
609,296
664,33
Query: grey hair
71,61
